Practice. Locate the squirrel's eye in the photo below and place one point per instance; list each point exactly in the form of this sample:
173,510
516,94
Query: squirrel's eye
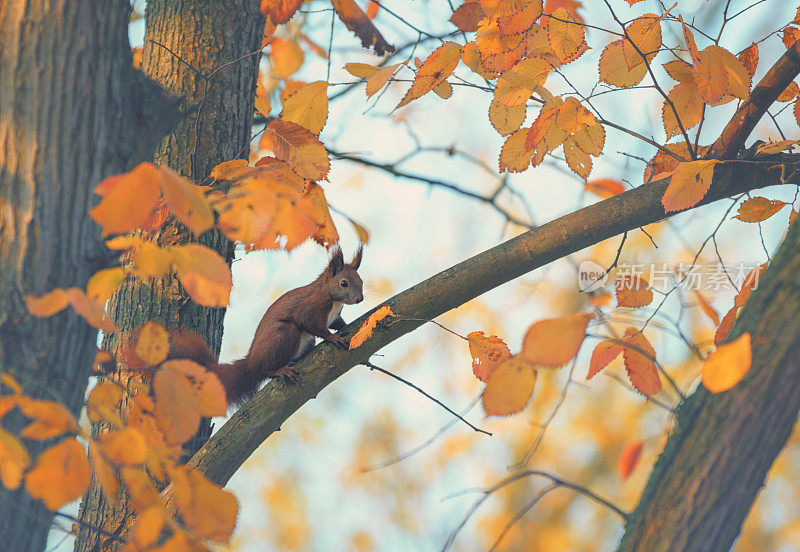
344,283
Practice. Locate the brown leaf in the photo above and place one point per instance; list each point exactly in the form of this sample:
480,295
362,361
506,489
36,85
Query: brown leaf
207,389
103,404
749,58
639,358
358,22
308,106
603,354
467,16
757,209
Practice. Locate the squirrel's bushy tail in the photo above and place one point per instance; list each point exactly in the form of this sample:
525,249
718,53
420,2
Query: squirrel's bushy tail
237,380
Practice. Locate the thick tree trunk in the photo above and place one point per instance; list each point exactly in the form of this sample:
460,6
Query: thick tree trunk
713,465
207,54
72,111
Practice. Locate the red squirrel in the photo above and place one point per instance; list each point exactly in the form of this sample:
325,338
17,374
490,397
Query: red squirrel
286,331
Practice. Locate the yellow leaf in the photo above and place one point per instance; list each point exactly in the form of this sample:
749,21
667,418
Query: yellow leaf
514,156
205,275
152,343
726,366
48,304
308,106
565,35
644,34
554,342
177,411
436,68
61,475
229,170
578,161
14,460
757,209
487,354
205,507
689,183
186,201
506,120
361,231
104,283
128,199
515,86
614,68
299,148
50,419
509,388
369,326
361,70
771,148
149,524
689,105
151,261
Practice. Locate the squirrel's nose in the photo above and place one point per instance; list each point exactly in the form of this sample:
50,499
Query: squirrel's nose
360,298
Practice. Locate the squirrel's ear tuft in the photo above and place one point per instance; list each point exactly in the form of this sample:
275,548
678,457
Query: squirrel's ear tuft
336,263
356,262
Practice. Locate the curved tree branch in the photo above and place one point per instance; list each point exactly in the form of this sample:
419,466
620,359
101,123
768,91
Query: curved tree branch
238,438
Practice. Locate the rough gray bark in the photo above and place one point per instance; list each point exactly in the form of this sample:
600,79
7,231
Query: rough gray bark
718,457
70,103
206,54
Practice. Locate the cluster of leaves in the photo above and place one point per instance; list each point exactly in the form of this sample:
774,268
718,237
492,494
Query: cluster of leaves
140,453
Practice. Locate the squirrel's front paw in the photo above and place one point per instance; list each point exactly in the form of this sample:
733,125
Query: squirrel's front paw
340,341
288,373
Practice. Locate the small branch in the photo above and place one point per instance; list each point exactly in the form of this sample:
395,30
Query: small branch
437,401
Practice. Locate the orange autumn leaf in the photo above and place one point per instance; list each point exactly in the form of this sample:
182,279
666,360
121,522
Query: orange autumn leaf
360,24
509,388
326,234
176,409
603,354
639,357
205,507
514,155
604,187
14,460
687,102
439,65
719,74
123,448
467,16
566,35
542,126
152,343
229,170
488,352
206,387
50,419
757,209
506,120
129,199
104,283
378,80
577,160
286,56
515,86
90,310
749,58
644,39
279,11
308,106
706,307
770,148
628,458
186,200
614,68
149,524
48,304
554,342
151,261
104,472
103,404
140,488
633,291
789,93
361,70
61,475
689,183
299,148
726,366
750,283
11,382
725,326
365,331
205,275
